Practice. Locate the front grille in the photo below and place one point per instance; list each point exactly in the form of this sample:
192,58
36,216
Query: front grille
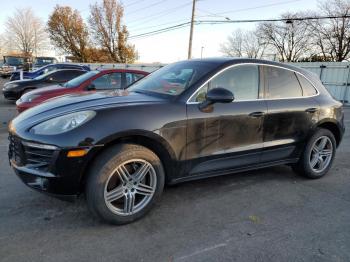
16,152
32,157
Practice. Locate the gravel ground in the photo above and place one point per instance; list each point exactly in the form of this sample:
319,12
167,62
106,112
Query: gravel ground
265,215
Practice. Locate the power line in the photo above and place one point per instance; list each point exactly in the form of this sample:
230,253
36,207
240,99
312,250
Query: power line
134,3
271,20
153,26
255,7
214,22
170,28
211,14
160,14
147,7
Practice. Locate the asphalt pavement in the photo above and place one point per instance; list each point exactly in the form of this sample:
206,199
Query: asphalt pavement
265,215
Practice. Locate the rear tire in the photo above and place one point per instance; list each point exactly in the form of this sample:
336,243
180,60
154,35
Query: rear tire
124,183
318,155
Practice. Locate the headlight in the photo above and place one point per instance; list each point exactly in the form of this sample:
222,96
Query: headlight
28,98
62,124
10,86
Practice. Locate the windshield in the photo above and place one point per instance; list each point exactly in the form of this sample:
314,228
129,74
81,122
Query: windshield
173,79
80,79
14,61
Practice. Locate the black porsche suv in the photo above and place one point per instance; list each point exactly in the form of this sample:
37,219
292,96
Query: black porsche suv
188,120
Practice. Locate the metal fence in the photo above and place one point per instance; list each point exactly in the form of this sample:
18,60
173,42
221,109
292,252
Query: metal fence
334,75
144,67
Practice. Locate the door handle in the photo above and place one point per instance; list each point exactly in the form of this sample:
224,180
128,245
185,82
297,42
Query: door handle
256,114
311,110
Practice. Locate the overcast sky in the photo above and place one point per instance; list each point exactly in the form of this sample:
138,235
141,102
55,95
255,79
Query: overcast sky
143,16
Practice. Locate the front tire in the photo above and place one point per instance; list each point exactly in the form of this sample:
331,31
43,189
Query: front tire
124,183
318,155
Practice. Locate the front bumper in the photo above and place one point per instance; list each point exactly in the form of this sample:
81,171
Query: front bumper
48,171
10,94
22,106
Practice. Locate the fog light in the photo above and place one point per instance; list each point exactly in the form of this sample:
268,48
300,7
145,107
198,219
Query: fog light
77,153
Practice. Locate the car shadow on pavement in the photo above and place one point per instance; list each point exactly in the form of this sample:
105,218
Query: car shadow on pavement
176,201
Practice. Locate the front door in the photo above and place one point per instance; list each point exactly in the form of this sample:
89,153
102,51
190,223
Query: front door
227,136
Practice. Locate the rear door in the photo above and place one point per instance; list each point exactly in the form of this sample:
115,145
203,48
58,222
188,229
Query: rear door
291,112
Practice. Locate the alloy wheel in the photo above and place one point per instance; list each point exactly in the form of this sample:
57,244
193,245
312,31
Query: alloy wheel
130,187
321,154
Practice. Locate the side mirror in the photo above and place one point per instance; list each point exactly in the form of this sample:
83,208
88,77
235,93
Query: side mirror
91,87
217,95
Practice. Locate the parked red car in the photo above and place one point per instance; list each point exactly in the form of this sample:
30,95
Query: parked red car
107,79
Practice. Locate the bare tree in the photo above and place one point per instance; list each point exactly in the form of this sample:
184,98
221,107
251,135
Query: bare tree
233,45
68,32
289,39
25,32
243,44
331,37
109,32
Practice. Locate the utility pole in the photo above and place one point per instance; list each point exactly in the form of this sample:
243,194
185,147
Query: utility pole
191,30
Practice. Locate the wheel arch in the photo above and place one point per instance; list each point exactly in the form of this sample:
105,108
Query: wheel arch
331,125
150,140
29,88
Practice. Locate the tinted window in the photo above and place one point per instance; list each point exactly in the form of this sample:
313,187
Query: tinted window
56,76
80,79
308,89
64,75
282,83
108,81
68,75
242,81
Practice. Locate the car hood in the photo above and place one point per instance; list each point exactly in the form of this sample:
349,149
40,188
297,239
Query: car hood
47,89
78,102
23,82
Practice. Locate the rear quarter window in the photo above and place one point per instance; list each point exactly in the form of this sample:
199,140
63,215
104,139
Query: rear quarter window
308,88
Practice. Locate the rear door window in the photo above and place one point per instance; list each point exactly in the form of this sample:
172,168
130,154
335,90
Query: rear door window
282,83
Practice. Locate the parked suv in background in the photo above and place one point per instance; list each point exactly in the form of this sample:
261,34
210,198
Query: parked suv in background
110,79
187,120
13,63
15,89
46,69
